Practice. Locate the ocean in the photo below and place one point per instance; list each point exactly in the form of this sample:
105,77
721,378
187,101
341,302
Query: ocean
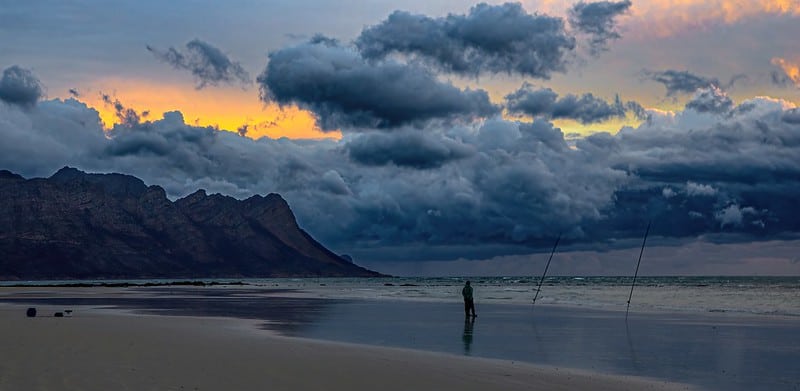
753,295
767,296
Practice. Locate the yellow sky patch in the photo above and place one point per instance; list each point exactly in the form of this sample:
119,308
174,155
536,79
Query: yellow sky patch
572,128
225,108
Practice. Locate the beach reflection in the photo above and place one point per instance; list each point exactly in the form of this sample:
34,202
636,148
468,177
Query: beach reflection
287,315
469,324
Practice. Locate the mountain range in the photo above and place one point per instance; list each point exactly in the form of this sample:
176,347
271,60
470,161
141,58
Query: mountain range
76,225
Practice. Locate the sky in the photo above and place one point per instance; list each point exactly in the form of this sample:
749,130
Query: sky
437,137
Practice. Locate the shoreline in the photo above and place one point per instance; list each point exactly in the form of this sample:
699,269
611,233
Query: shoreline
99,349
769,297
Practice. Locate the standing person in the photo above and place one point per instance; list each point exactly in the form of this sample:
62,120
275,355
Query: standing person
469,304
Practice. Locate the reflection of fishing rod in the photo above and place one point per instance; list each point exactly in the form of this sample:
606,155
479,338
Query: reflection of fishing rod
637,269
545,269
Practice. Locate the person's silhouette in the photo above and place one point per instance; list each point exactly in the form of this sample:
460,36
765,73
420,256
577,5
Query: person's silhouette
469,303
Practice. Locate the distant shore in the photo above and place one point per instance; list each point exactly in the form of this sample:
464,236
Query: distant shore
100,349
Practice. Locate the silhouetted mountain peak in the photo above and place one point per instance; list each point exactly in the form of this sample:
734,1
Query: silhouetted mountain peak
79,225
66,174
8,175
114,184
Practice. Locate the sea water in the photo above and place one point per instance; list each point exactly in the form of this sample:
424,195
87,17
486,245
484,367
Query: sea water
768,296
754,295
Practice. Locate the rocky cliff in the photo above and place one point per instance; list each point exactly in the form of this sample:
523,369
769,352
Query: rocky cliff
75,225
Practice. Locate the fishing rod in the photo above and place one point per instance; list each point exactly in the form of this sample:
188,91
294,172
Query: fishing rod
637,269
545,269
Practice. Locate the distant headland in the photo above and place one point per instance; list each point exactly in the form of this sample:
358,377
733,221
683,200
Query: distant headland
76,225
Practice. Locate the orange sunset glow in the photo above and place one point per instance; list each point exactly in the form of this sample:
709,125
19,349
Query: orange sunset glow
669,17
663,18
228,109
792,70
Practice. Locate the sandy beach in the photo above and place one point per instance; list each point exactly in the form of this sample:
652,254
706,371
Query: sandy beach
101,349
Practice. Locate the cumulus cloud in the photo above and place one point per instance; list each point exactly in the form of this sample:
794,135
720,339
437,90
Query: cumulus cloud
731,215
19,86
740,159
792,116
710,100
598,20
333,182
475,189
544,102
345,91
41,139
412,148
680,82
699,189
489,39
208,64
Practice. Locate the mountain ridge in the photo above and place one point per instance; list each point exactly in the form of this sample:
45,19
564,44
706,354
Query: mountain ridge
77,225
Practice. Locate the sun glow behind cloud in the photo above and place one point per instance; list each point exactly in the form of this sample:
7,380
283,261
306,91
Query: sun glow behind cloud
227,109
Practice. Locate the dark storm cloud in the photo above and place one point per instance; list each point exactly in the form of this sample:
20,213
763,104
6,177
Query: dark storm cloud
792,116
597,20
19,86
127,116
324,40
680,82
587,108
345,91
710,100
489,39
722,174
208,64
779,78
473,189
412,148
41,139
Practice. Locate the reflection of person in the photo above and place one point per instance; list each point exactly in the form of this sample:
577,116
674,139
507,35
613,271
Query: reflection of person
469,304
467,337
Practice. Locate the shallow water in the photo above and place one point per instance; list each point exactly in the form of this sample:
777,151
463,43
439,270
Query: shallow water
717,352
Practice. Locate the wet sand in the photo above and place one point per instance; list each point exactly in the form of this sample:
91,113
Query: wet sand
104,349
100,350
